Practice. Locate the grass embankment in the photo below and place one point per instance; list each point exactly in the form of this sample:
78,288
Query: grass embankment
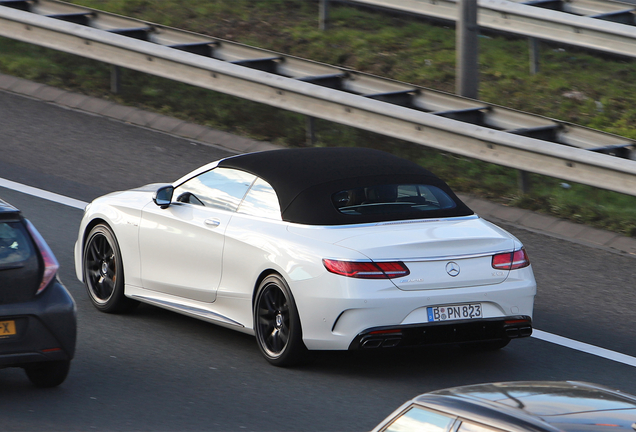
574,86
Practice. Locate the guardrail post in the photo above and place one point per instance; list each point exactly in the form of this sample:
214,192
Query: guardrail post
523,180
310,131
323,14
467,47
533,47
115,79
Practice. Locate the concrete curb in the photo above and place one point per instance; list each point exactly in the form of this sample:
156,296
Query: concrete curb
498,213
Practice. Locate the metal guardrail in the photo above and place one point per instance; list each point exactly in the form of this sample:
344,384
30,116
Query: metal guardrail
601,25
416,114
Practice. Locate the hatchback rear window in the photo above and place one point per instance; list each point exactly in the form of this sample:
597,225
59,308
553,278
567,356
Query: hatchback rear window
15,245
415,199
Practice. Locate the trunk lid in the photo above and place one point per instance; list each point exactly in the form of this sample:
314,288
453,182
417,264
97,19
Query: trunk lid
439,254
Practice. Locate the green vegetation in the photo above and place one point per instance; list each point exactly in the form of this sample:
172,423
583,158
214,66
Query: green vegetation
574,86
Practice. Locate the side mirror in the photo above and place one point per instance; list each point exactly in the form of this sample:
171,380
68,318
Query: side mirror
163,196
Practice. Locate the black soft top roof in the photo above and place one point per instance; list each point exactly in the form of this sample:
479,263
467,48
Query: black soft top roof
306,178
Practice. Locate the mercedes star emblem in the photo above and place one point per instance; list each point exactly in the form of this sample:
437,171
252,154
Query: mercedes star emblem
452,268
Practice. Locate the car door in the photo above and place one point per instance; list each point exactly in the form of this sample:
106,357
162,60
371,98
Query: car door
181,246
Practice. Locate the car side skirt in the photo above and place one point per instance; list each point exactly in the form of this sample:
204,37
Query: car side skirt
193,311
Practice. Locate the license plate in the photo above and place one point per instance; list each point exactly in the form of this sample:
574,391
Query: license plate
455,312
7,328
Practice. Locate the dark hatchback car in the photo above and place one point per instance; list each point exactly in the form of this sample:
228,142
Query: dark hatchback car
516,407
38,324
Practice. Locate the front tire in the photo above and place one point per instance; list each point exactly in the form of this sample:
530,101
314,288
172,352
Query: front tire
277,324
104,271
48,374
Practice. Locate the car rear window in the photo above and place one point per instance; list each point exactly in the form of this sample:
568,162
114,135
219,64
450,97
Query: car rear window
15,245
414,199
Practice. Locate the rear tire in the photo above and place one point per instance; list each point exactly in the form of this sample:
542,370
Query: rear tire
48,374
277,324
104,271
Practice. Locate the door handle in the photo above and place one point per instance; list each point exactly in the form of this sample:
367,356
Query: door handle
213,222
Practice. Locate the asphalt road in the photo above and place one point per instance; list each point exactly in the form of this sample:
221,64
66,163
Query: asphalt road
157,370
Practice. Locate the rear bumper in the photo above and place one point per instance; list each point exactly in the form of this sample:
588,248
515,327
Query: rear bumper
46,328
456,332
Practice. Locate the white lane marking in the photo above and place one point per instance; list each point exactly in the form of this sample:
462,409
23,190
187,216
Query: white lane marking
40,193
583,347
537,334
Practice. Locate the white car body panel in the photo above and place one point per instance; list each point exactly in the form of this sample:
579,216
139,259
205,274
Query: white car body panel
174,258
428,246
181,250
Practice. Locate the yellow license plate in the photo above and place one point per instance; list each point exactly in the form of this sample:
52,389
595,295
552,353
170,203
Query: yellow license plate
7,328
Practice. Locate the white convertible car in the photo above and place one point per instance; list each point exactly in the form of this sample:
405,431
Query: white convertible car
311,249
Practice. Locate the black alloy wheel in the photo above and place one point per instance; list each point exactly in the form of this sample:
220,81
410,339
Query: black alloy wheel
277,324
104,272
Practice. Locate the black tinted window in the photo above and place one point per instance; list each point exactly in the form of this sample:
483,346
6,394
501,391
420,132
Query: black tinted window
414,199
15,245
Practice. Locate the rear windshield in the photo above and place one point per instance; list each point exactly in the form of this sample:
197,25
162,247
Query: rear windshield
15,246
414,199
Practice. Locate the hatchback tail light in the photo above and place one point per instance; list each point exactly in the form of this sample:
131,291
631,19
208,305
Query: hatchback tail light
511,260
50,263
367,269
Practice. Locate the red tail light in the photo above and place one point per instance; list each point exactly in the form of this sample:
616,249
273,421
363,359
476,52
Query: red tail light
367,270
50,263
511,260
